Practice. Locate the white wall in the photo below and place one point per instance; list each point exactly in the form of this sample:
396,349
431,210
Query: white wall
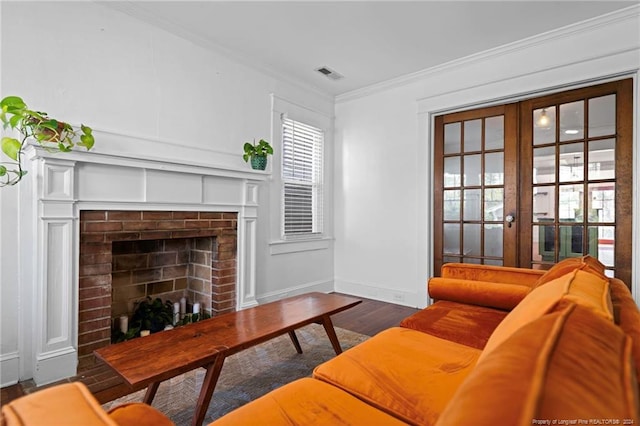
142,90
383,145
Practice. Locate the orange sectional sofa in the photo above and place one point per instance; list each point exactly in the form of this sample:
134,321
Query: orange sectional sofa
500,346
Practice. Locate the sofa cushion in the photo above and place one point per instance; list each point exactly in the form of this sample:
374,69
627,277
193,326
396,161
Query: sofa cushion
409,374
138,414
481,293
468,325
585,263
581,287
71,404
306,402
570,364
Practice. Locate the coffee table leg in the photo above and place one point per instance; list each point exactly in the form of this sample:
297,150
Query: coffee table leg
150,393
295,341
331,332
208,386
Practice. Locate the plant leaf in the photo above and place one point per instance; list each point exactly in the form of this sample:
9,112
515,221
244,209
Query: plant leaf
87,141
11,147
13,102
3,170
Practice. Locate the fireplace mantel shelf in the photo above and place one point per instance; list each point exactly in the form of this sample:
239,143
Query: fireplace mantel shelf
147,162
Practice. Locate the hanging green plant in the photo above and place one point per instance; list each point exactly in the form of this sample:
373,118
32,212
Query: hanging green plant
51,134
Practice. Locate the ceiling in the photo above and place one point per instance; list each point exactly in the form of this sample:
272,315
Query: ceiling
368,42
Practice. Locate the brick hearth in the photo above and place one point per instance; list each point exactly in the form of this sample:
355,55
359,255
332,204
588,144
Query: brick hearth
99,229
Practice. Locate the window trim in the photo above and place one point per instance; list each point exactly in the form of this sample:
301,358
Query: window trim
278,244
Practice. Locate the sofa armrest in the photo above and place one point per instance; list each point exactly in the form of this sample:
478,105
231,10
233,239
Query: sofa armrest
491,273
72,404
483,293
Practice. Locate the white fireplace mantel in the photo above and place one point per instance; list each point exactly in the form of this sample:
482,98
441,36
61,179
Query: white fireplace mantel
59,186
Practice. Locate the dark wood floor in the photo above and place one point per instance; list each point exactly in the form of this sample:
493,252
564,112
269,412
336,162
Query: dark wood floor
369,318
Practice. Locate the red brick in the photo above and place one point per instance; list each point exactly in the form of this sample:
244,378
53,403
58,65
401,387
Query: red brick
188,234
95,269
223,280
98,302
176,245
221,224
146,275
210,215
95,248
120,278
93,215
94,336
177,271
223,264
87,326
233,216
185,215
171,224
141,225
149,215
93,314
93,259
122,236
123,215
91,292
190,224
88,349
95,281
126,262
226,255
163,259
92,238
224,288
102,226
155,235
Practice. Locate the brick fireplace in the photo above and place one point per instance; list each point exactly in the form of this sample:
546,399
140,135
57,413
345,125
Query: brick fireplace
79,208
128,255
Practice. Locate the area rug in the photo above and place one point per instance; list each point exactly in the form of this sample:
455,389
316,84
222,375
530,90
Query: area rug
246,375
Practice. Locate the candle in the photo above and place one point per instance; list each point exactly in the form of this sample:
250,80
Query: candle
196,308
144,333
183,306
176,312
124,324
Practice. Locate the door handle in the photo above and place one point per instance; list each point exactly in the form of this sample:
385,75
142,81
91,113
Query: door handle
510,219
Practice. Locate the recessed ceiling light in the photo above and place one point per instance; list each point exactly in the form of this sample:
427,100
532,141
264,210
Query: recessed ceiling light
571,132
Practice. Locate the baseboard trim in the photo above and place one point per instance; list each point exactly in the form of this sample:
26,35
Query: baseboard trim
389,295
324,286
9,369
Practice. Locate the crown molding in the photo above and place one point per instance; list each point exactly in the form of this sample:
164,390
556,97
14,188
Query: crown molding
628,13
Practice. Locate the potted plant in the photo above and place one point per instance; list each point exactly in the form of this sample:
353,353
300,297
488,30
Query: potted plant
257,153
52,134
152,315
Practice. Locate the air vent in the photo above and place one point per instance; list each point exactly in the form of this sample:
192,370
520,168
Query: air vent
329,73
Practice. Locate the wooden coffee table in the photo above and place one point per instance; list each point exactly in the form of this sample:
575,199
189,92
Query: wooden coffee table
147,361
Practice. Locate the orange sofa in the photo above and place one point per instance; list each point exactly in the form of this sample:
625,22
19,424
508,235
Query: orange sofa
506,346
500,346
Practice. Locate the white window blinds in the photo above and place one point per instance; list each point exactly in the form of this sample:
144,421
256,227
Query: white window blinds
302,177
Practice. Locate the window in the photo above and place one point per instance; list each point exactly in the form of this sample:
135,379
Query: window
302,178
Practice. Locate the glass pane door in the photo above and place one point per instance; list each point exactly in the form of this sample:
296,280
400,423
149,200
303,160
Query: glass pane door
474,152
575,148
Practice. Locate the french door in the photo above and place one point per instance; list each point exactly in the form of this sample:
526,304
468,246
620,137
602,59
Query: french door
531,183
